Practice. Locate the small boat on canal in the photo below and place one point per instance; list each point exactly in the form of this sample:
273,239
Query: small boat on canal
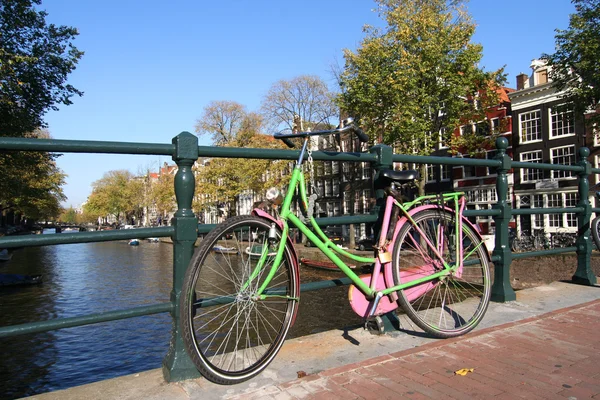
134,242
19,280
5,255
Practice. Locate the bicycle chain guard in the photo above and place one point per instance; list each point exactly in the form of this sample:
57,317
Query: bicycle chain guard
361,305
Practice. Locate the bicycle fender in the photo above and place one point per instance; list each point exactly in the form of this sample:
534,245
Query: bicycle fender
263,214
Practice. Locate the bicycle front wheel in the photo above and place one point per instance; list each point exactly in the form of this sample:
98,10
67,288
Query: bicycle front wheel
453,304
230,333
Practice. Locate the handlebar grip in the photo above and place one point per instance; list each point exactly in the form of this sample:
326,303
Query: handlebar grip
361,135
288,142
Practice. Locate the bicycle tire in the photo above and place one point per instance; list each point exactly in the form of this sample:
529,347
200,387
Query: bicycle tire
596,231
229,335
453,305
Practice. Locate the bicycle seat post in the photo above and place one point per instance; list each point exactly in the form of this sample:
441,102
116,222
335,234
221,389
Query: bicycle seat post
302,151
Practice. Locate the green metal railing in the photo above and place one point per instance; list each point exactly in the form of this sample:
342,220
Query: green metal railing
184,230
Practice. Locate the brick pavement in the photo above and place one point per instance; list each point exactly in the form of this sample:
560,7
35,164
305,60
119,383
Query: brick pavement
552,356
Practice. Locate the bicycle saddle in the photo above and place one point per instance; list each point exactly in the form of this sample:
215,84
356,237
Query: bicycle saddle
399,176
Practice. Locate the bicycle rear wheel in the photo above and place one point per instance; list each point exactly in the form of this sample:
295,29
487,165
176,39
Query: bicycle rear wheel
596,231
453,304
229,333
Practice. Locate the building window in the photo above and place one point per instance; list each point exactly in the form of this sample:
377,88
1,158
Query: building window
554,201
445,173
367,200
531,126
443,138
335,167
319,169
430,172
327,188
538,202
366,170
541,77
345,171
466,130
357,203
336,187
571,200
320,187
562,122
530,174
327,167
563,155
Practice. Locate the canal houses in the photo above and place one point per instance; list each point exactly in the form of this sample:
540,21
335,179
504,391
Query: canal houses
545,130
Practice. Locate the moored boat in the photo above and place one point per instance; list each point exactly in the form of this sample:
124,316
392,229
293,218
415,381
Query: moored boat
5,255
18,279
134,242
256,251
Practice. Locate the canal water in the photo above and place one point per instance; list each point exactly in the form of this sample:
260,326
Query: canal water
80,279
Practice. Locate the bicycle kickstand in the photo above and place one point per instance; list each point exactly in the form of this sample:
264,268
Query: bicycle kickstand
373,323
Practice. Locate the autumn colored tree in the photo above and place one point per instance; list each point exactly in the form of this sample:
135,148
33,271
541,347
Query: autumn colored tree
222,180
117,193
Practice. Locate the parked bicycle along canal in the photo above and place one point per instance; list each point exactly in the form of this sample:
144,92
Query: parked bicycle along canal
80,279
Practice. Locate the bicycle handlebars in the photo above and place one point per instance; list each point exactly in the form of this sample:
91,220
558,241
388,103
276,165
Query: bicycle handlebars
346,126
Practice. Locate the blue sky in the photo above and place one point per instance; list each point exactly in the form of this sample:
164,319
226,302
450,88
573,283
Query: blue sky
150,67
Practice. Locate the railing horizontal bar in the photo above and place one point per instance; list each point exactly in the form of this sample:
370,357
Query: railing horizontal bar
84,237
532,211
350,219
60,323
596,210
481,213
549,252
445,160
546,166
273,154
86,146
307,287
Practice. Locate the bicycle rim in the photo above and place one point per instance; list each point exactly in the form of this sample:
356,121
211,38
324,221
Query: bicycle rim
596,231
231,335
452,305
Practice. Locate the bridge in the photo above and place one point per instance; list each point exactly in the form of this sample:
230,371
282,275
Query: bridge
184,231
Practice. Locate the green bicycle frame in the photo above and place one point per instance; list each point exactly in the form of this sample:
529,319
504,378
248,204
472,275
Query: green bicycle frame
330,249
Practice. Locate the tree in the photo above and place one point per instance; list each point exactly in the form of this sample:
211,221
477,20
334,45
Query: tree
305,97
225,121
417,75
115,193
222,181
31,182
575,67
162,194
35,60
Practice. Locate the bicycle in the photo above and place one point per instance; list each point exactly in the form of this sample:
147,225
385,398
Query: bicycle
237,308
595,226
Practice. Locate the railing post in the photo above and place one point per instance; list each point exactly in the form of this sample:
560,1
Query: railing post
177,364
385,160
583,274
501,289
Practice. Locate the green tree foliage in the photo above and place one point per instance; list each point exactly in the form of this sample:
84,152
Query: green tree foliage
575,64
31,182
68,216
162,194
117,193
417,75
35,60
